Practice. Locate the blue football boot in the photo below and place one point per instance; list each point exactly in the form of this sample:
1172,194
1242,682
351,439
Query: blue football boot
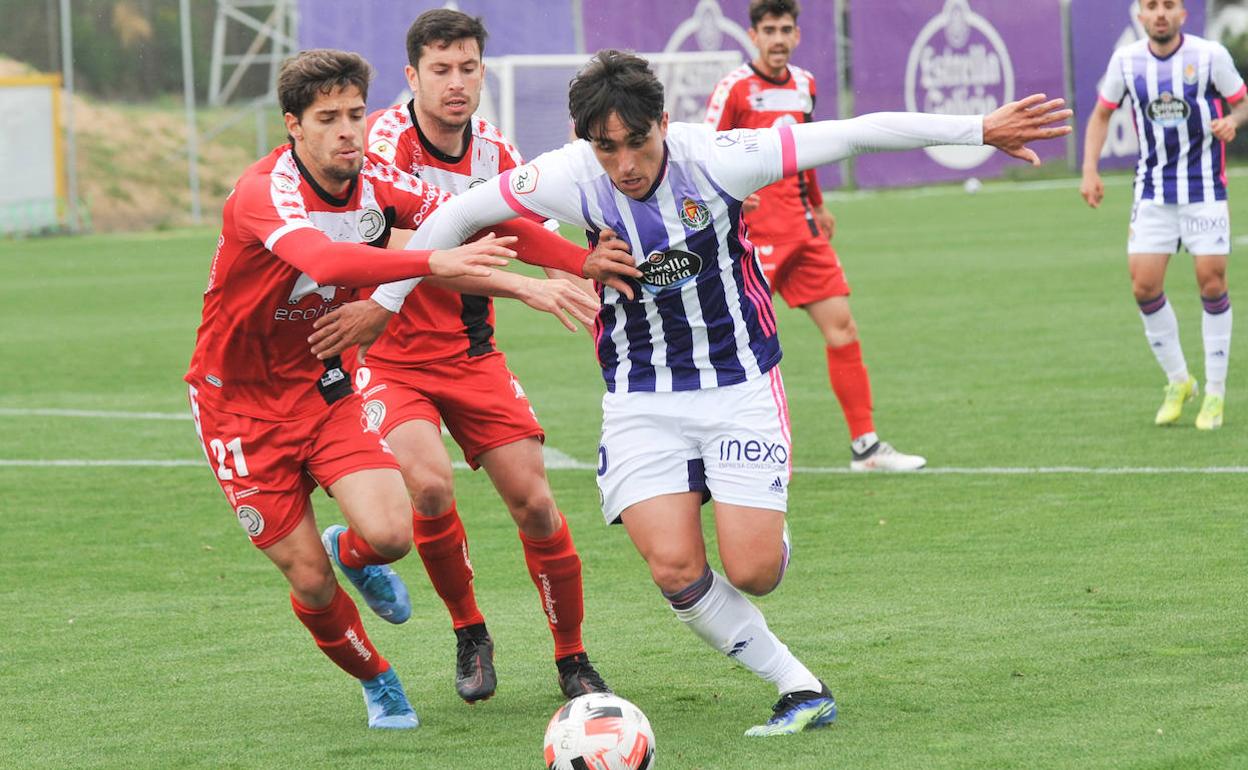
798,711
381,586
388,707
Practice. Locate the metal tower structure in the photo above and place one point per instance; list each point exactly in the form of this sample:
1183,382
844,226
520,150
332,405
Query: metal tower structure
271,25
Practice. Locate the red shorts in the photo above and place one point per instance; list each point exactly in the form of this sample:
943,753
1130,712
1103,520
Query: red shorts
803,272
478,398
268,469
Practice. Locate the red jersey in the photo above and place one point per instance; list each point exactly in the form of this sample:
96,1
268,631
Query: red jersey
279,229
437,324
748,99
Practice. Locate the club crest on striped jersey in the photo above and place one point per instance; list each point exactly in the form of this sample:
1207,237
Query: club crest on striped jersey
1190,74
1168,111
694,214
667,269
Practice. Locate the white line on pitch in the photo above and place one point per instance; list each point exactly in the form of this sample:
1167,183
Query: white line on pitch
558,461
12,412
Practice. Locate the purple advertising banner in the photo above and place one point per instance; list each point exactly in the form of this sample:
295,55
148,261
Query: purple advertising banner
711,25
956,57
378,30
1097,28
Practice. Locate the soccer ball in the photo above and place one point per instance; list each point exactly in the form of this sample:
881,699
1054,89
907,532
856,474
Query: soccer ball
599,731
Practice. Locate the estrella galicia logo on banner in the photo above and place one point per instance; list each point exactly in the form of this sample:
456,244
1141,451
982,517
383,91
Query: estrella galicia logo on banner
959,65
667,269
1168,111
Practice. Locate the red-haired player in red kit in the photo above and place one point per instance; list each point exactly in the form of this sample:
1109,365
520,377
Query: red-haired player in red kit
436,362
274,420
790,228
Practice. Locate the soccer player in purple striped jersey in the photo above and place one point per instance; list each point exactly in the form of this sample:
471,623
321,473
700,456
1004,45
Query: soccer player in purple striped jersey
1177,84
686,336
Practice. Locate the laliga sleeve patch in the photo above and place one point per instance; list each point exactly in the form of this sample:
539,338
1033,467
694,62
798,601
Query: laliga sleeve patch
524,179
251,520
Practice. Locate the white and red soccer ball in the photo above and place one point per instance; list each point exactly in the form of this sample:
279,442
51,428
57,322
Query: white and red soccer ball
599,731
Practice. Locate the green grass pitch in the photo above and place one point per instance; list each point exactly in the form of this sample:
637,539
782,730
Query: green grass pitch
963,619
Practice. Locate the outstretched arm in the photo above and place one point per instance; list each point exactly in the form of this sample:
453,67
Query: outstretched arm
1010,129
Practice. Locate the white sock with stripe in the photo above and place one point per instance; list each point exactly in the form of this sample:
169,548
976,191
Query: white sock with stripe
1161,327
730,623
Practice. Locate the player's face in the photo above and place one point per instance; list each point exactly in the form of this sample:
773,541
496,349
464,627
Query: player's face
329,136
1162,19
775,37
447,81
632,159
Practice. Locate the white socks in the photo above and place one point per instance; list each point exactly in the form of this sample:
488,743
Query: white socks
730,623
1161,327
1216,328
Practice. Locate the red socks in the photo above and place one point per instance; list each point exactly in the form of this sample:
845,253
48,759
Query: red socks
852,387
442,546
556,571
340,635
355,553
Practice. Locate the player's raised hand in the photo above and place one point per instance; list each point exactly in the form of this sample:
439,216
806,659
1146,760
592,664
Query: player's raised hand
560,298
1224,129
611,262
475,258
1092,189
751,203
355,323
1030,119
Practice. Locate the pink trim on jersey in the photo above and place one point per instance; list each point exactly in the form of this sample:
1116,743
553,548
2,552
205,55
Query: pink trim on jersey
504,184
1239,95
1218,105
1107,104
788,151
759,295
782,410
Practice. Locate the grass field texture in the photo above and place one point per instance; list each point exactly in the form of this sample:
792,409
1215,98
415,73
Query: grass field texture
981,614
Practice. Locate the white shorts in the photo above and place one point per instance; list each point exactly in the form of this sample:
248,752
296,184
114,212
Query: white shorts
732,444
1159,228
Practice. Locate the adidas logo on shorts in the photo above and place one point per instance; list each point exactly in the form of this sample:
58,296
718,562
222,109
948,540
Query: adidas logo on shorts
777,486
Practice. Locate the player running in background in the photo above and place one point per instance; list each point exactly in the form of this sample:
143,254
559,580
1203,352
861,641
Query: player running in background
790,228
438,362
1177,84
686,336
274,421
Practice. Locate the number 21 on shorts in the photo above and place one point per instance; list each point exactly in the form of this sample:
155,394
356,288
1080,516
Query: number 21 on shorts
234,448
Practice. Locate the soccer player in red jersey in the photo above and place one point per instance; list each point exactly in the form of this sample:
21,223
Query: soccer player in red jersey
790,227
275,421
437,362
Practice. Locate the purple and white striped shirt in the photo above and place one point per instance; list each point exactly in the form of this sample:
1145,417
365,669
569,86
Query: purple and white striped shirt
1174,101
703,316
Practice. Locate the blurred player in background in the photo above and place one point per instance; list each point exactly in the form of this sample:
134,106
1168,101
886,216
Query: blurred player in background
790,228
1177,84
437,362
275,421
686,337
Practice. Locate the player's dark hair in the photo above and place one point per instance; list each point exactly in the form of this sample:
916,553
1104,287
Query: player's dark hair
442,27
619,82
762,8
319,71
